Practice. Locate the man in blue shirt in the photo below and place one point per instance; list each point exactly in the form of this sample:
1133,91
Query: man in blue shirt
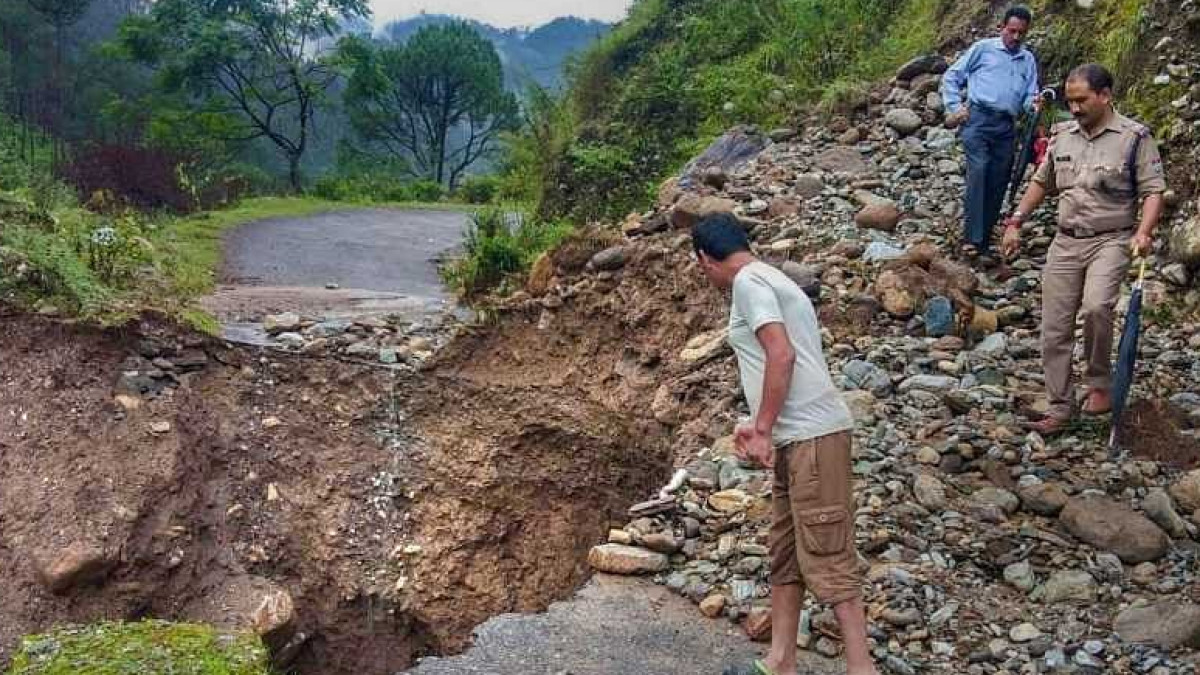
1001,79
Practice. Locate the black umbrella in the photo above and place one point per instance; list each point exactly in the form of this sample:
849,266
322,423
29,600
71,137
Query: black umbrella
1126,357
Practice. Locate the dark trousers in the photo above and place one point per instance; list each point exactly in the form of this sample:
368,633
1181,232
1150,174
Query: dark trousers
988,138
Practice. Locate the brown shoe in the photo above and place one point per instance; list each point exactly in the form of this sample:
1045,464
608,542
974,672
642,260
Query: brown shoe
1050,425
1097,402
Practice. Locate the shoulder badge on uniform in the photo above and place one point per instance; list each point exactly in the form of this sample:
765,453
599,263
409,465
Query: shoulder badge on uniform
1135,126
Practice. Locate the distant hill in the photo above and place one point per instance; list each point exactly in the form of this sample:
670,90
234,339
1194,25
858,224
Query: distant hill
536,55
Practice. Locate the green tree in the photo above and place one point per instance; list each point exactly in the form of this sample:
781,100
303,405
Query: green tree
257,62
437,103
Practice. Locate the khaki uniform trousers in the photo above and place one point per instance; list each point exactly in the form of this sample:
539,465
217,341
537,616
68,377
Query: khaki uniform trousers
1082,279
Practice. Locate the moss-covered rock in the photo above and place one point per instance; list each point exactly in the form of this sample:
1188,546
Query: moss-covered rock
139,648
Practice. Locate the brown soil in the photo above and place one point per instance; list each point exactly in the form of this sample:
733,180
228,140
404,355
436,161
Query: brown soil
186,512
1153,431
408,507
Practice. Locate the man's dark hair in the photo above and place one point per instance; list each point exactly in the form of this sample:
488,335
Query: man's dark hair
719,236
1097,76
1018,12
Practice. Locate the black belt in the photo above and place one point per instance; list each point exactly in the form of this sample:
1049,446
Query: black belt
995,112
1089,235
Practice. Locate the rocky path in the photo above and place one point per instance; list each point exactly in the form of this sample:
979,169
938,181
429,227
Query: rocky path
991,549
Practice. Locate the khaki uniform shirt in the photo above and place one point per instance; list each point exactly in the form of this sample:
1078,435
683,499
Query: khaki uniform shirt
1092,178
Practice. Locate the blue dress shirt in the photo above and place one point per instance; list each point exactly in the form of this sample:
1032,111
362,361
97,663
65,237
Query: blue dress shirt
995,78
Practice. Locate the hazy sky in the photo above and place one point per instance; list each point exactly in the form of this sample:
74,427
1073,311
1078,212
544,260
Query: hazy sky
503,13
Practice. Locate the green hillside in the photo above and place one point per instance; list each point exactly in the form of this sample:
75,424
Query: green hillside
676,73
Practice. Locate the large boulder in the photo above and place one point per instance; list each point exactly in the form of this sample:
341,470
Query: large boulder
880,215
808,185
692,207
861,404
274,620
807,277
865,375
930,492
1169,625
898,293
282,323
74,565
923,85
705,347
540,275
1184,242
619,559
1067,586
1159,508
842,160
939,316
904,121
610,259
1114,527
1044,499
728,153
669,192
1186,491
922,65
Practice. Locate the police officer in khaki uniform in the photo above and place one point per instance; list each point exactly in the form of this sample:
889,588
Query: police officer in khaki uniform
1101,165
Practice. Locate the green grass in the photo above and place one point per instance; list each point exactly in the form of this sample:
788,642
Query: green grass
1108,34
139,649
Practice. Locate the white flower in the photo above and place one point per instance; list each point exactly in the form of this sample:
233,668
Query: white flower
104,236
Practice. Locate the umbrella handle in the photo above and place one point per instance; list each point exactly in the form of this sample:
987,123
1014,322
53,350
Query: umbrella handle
1142,273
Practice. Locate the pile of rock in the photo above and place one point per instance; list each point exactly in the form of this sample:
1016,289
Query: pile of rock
377,339
991,550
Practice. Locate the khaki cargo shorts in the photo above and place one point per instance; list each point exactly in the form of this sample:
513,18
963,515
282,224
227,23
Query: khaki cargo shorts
812,503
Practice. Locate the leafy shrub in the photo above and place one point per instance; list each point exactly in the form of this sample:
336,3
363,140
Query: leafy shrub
50,194
478,189
142,178
331,187
500,243
374,187
78,260
426,191
114,249
144,647
214,185
49,266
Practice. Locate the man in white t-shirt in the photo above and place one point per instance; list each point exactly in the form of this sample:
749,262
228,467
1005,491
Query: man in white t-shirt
801,429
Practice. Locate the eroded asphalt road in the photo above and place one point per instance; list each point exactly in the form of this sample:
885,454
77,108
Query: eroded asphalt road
613,626
383,261
336,265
